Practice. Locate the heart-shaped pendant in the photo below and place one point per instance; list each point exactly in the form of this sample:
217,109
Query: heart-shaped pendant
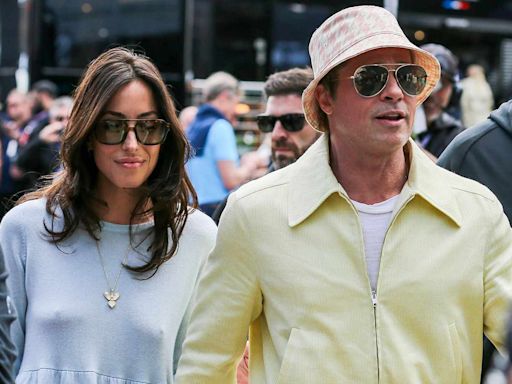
111,295
112,298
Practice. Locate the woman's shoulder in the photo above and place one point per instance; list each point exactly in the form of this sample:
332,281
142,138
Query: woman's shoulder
27,212
25,221
200,227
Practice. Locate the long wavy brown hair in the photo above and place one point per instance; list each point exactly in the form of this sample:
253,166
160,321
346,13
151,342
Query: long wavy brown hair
168,188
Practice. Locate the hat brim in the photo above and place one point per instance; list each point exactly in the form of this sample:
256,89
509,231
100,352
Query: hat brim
312,110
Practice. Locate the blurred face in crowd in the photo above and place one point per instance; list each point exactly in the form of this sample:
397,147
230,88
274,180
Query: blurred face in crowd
437,102
369,125
129,164
60,114
287,146
18,107
37,104
228,101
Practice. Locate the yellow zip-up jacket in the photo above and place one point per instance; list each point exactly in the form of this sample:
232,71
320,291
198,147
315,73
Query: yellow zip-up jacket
289,265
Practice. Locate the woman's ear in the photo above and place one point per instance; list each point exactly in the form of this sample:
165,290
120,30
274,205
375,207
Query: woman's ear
324,99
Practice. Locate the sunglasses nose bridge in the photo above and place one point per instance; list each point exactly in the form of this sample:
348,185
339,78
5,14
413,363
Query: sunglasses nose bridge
130,125
393,87
390,88
279,129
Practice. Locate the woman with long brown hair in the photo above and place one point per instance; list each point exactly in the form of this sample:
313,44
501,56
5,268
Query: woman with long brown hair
103,260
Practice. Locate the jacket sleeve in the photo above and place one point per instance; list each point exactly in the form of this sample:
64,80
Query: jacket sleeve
228,300
13,251
497,276
7,349
180,338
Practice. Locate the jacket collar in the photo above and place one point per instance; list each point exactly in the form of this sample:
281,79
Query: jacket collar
312,182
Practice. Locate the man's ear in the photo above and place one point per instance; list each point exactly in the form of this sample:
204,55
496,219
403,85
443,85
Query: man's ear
324,99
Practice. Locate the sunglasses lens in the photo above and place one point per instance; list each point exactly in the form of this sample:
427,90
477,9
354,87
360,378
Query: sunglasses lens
369,80
292,122
110,131
412,79
151,132
265,123
148,132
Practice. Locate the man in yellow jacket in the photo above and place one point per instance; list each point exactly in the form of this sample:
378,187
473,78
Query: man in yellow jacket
363,262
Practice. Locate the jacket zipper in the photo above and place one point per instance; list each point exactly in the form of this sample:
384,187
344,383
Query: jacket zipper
373,294
374,291
374,302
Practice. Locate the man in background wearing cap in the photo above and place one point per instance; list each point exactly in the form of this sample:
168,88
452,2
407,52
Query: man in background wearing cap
441,126
362,262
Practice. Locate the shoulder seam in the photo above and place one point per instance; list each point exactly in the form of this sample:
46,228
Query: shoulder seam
260,189
489,198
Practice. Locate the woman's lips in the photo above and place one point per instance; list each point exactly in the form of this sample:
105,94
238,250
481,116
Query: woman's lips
130,163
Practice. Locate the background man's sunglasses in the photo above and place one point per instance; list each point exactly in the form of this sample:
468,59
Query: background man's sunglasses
370,80
147,131
291,122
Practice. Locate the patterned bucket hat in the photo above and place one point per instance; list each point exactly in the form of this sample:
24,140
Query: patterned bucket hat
349,33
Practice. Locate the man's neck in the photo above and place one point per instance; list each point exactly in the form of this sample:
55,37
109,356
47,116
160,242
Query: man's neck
369,179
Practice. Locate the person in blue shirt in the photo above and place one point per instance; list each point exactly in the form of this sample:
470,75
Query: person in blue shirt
215,168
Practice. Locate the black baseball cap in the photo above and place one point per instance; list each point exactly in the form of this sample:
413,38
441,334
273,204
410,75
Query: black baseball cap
45,86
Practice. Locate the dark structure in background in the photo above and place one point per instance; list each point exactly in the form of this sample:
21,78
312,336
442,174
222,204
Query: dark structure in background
476,31
250,38
67,34
9,44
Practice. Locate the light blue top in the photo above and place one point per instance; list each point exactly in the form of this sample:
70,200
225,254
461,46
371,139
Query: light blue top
66,333
202,170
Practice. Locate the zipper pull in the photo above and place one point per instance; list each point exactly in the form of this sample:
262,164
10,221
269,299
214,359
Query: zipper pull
374,298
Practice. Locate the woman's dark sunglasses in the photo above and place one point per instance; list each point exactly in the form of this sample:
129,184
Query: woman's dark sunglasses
370,80
147,131
291,122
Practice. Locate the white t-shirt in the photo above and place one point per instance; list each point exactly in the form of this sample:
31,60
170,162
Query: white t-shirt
375,221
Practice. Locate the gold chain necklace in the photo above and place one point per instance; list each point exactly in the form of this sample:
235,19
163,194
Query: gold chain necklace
112,295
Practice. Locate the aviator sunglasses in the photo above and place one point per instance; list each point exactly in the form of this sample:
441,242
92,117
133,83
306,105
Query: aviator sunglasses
291,122
147,131
369,80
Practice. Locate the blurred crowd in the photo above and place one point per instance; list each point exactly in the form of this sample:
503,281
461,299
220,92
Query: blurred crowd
31,126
